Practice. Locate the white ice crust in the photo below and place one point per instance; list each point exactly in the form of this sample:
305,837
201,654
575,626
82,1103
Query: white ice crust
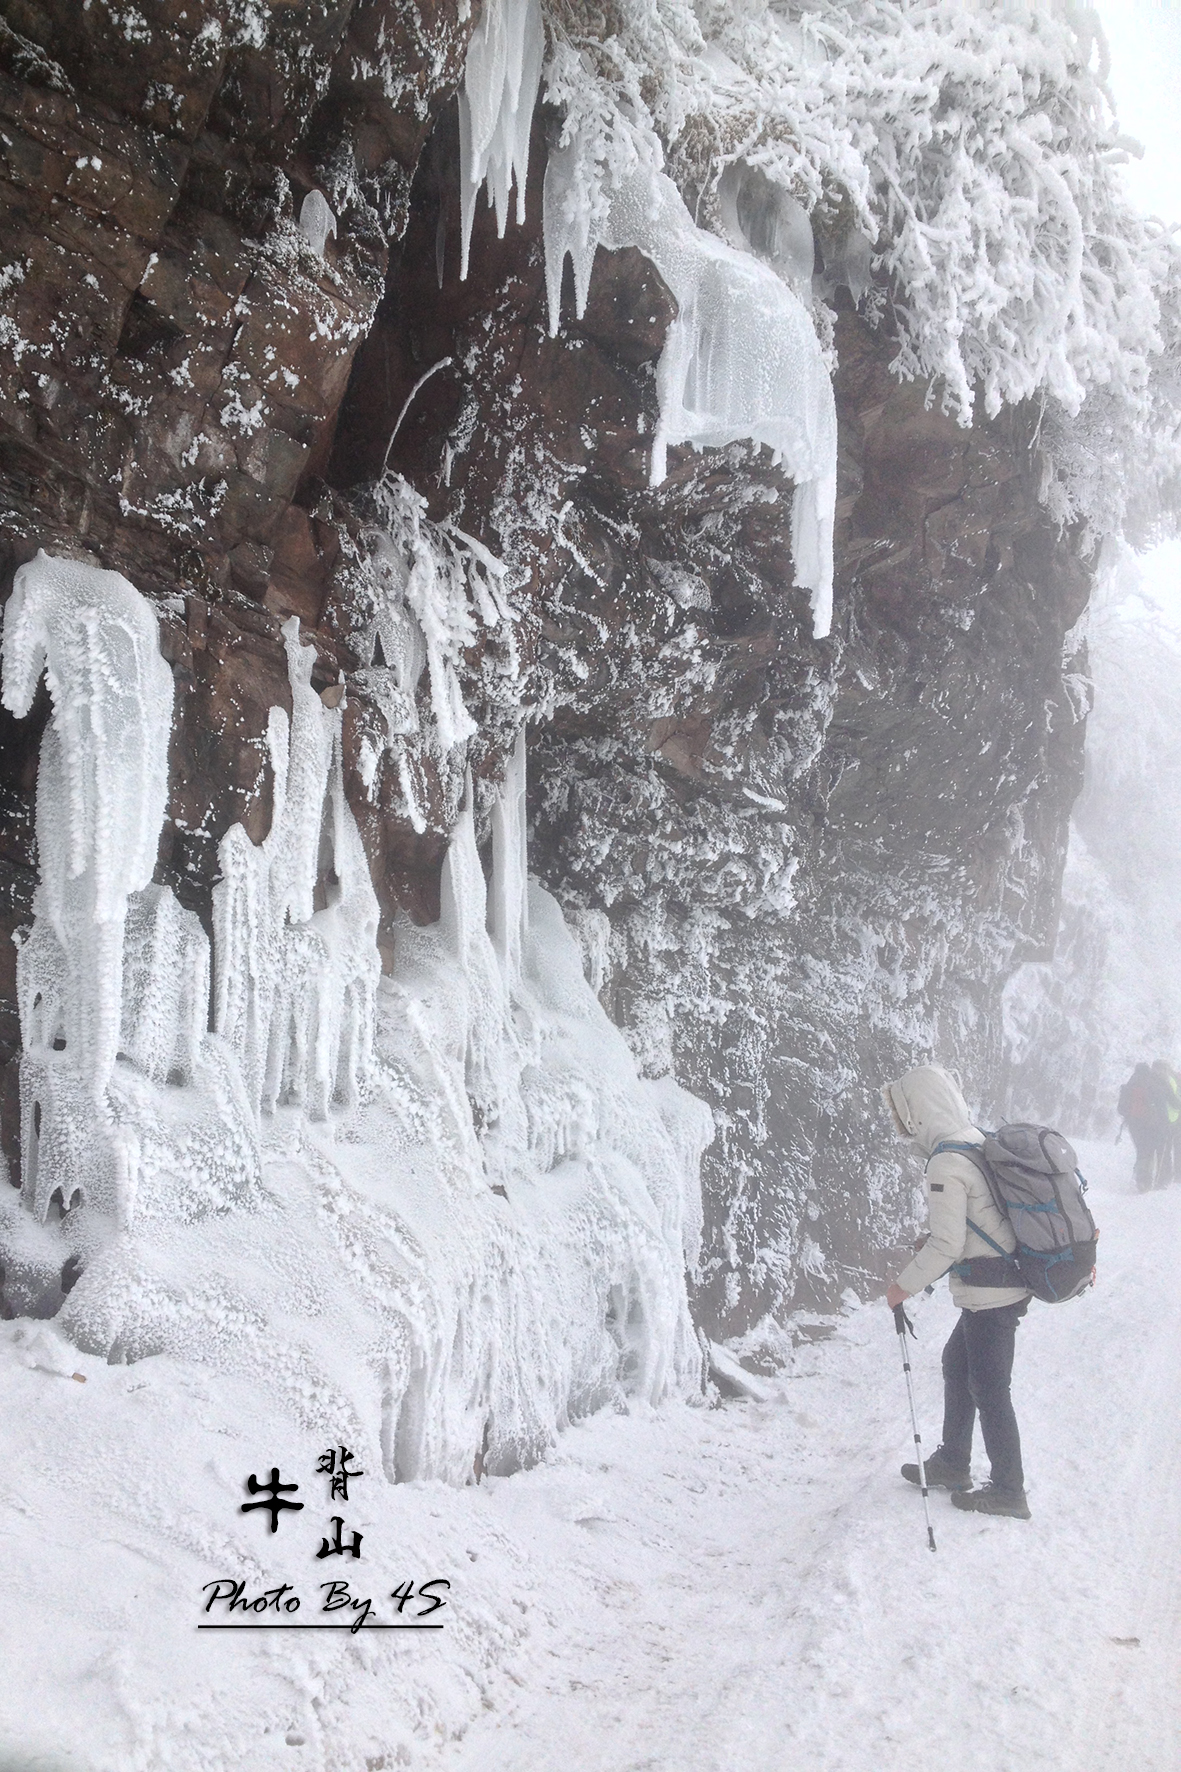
437,1212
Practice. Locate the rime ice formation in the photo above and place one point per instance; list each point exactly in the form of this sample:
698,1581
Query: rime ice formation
501,79
101,785
295,921
436,587
316,221
128,1108
741,358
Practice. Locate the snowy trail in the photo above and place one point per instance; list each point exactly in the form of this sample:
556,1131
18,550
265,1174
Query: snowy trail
766,1597
673,1590
1136,1715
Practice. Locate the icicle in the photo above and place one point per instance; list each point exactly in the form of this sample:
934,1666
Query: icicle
568,229
295,981
850,264
741,359
479,1040
103,779
316,221
501,77
465,899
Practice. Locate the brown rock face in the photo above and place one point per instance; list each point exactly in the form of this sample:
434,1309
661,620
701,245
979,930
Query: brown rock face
805,865
172,349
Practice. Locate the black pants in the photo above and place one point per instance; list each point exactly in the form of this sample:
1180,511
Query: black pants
977,1369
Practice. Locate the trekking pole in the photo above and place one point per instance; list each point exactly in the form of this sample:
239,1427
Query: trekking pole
902,1323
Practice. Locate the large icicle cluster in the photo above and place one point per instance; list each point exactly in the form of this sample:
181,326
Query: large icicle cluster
129,1108
295,921
475,1218
967,155
741,359
491,1244
501,79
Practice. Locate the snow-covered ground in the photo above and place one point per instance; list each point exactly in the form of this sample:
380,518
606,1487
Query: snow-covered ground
692,1588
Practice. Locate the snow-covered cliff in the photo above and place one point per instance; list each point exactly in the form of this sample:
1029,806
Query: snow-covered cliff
766,523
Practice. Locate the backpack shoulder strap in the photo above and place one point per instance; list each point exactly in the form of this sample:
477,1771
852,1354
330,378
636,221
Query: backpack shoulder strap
984,1236
975,1156
974,1152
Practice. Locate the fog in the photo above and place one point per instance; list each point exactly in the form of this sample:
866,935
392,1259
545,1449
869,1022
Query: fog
1111,996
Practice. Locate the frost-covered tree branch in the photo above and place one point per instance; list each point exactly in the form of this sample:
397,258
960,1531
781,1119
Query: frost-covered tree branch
974,147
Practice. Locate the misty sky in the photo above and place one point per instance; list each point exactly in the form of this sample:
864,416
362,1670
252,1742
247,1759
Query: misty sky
1145,41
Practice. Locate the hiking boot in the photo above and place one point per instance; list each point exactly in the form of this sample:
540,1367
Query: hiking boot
991,1500
940,1473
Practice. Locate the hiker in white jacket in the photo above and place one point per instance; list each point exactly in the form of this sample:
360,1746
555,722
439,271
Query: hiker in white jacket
927,1106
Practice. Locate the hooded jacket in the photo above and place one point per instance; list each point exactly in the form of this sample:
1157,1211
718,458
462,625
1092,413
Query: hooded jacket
929,1107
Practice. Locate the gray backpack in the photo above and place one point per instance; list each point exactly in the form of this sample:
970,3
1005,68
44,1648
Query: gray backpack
1034,1179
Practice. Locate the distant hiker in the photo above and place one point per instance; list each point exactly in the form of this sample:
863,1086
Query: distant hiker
1142,1109
1169,1092
927,1106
